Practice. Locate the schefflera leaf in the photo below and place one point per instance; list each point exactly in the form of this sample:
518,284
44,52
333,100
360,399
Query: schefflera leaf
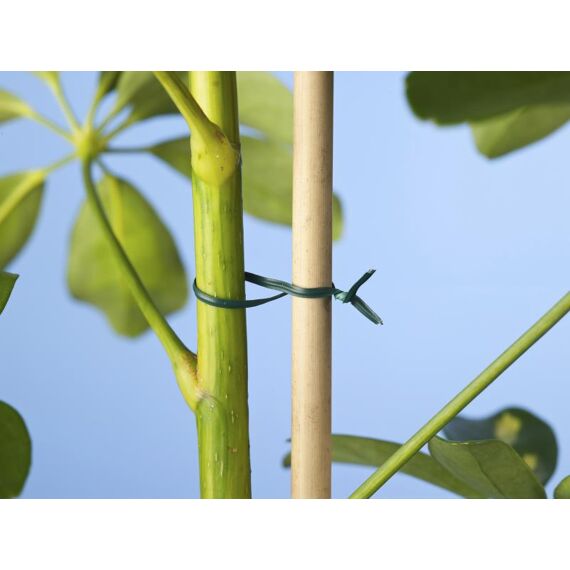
20,200
507,110
12,107
93,274
493,468
562,490
15,452
449,97
374,452
267,173
500,135
266,105
7,282
531,437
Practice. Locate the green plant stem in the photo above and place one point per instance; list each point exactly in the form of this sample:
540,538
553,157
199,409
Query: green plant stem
452,408
58,164
57,90
215,159
40,119
183,360
102,87
222,415
118,129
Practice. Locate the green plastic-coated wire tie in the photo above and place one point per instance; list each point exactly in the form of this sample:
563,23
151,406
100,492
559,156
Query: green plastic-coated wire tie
349,296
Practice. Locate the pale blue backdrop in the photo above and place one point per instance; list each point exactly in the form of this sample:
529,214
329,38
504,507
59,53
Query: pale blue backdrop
468,252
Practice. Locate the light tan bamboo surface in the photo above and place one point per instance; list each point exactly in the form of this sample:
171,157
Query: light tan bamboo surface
312,267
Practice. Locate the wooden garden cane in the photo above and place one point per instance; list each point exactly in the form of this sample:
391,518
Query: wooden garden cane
312,267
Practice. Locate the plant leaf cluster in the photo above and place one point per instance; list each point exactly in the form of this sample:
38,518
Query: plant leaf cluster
266,155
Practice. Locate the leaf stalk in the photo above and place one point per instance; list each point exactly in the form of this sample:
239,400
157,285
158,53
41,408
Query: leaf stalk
468,394
182,359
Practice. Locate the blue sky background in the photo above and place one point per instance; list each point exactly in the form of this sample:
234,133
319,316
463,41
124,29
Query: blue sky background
469,253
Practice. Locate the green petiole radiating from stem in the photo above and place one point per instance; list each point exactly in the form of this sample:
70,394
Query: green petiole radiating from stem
182,359
214,158
469,393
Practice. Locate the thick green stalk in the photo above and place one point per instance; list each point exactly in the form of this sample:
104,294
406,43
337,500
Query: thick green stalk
451,409
222,414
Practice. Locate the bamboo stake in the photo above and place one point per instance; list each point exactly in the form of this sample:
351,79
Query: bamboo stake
312,267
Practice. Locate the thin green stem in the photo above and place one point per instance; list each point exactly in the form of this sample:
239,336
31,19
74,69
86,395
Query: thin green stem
108,119
57,90
214,158
183,360
40,119
118,129
58,164
452,408
102,89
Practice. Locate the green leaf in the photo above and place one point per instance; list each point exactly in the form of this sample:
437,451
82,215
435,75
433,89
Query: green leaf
493,468
448,97
266,105
267,171
562,490
176,153
20,200
108,81
12,107
521,127
15,452
93,274
146,98
531,437
374,452
7,282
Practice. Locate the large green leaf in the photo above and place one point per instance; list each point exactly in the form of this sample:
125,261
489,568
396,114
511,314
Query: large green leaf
94,275
562,490
374,452
20,201
500,135
143,94
493,468
448,97
531,437
15,452
266,105
12,107
267,170
7,282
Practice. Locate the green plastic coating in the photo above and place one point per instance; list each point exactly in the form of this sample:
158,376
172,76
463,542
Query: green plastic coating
349,296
